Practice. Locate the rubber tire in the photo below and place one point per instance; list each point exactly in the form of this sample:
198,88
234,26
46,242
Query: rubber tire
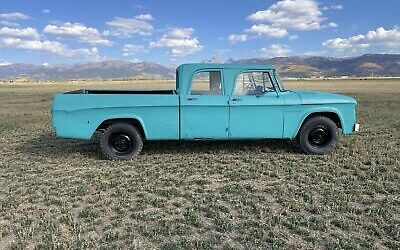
131,131
308,126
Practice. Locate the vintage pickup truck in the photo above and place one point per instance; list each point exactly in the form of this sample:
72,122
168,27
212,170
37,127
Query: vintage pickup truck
210,102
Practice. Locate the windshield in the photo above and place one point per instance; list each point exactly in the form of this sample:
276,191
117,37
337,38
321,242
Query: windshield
278,80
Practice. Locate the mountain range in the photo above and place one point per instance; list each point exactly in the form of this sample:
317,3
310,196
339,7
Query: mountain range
296,66
316,66
93,70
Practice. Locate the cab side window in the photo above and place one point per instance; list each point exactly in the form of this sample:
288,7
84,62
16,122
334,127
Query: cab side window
207,83
253,83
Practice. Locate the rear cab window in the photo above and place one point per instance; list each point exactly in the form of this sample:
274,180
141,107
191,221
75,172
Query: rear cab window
207,83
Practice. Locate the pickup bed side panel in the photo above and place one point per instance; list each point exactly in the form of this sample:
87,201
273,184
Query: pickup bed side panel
79,115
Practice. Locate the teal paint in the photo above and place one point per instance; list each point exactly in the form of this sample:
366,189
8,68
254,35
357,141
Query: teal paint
277,114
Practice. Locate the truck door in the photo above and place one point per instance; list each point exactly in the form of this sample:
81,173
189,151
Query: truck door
204,110
256,109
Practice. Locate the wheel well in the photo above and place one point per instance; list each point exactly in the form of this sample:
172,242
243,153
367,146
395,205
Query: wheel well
331,115
136,123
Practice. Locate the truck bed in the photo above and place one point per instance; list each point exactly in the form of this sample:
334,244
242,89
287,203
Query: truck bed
77,114
123,92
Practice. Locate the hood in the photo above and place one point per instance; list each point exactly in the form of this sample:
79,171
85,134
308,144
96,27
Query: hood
316,97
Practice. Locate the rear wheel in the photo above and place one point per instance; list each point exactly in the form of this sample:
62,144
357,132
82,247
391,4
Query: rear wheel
121,141
318,135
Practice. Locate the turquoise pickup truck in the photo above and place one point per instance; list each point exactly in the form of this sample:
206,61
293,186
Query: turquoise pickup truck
210,102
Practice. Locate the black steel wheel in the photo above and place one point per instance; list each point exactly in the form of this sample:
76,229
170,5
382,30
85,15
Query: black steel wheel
121,143
319,136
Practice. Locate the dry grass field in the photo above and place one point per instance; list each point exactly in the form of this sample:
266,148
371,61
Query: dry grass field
62,194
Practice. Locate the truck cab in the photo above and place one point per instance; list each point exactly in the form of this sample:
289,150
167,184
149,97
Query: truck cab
241,101
210,102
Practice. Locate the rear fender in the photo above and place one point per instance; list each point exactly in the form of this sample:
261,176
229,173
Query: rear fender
120,117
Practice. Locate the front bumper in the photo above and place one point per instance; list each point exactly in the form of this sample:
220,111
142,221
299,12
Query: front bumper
356,127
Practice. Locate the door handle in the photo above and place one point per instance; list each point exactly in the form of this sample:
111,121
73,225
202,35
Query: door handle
192,98
236,99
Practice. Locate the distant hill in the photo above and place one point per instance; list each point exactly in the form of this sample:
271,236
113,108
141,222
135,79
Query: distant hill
93,70
297,66
314,66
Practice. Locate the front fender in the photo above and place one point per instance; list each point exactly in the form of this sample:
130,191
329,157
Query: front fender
318,110
295,117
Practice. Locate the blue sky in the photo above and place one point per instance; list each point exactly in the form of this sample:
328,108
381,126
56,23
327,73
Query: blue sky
173,32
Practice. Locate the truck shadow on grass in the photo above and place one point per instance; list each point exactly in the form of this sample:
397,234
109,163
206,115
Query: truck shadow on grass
49,145
237,146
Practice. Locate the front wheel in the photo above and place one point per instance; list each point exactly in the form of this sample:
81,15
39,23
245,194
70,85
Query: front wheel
121,141
319,135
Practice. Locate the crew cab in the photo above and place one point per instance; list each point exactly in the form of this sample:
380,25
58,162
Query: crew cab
210,102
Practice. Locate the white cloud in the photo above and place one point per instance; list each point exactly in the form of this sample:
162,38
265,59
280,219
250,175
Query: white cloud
53,47
132,49
332,25
77,31
4,63
291,14
183,33
276,50
283,16
264,30
234,38
180,41
293,37
126,27
9,24
14,16
380,38
146,17
29,39
92,53
46,11
26,33
333,7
